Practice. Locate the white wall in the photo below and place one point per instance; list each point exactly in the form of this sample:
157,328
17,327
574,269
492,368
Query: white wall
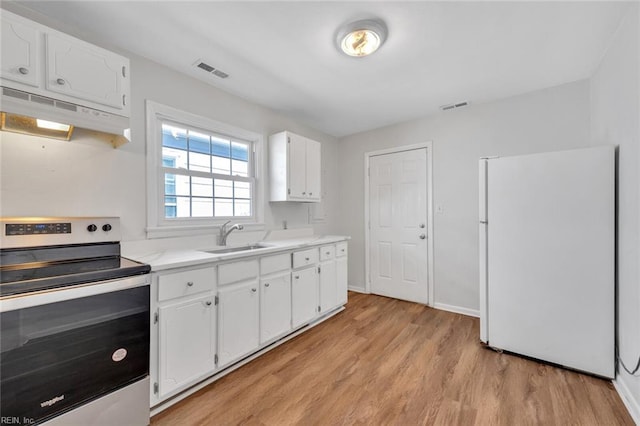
547,120
615,119
86,177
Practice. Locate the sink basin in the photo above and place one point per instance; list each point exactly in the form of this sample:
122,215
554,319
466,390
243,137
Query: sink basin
238,249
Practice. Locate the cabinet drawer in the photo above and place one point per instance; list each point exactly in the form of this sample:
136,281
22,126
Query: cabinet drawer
341,249
185,283
327,252
305,257
277,263
237,271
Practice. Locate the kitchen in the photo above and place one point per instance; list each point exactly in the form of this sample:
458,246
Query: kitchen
88,177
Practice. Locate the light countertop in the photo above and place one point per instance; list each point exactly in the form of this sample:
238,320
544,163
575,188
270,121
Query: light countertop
168,259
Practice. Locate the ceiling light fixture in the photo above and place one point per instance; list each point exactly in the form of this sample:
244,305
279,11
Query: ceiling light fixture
362,38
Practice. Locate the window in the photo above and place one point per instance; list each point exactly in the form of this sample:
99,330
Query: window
204,172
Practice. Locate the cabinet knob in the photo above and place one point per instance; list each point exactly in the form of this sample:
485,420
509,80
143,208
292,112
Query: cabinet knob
190,284
311,193
23,70
304,193
266,284
208,302
423,236
253,290
328,253
61,81
306,258
297,277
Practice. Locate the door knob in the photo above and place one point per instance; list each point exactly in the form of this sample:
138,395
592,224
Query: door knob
423,236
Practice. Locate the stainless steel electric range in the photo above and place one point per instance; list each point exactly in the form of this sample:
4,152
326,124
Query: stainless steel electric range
74,322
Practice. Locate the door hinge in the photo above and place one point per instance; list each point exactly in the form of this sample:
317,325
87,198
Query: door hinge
289,191
155,317
318,269
216,300
318,308
215,359
155,388
288,139
124,71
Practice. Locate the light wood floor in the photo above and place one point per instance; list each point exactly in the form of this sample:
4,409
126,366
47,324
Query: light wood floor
384,361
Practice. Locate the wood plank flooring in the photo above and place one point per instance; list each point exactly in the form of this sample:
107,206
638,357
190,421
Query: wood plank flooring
387,362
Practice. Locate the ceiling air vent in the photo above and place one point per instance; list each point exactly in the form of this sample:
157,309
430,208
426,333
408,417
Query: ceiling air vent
208,68
454,106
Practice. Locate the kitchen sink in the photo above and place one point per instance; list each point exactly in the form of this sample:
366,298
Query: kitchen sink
238,249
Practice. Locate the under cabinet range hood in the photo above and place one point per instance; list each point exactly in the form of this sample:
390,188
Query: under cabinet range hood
29,107
48,75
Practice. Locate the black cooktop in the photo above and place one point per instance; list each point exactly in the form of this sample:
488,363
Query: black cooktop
27,270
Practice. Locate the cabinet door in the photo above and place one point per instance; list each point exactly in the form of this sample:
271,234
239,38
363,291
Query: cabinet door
187,341
304,295
238,321
20,51
297,166
341,280
275,306
87,72
328,286
314,173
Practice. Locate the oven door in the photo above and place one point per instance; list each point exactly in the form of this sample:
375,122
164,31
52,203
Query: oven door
60,349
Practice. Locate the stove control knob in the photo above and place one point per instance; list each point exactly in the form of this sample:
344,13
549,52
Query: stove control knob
92,228
106,227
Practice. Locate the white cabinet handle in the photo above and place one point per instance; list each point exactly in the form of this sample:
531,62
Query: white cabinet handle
253,290
190,284
60,81
23,70
266,284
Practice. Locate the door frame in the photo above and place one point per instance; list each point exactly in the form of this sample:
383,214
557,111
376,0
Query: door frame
429,165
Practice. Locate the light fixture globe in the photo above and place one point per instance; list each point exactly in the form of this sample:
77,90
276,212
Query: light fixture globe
361,38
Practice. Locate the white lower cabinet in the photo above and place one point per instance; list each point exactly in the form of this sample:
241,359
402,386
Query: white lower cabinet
238,321
341,279
275,306
209,317
304,295
187,342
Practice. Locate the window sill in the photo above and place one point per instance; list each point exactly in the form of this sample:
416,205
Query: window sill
193,230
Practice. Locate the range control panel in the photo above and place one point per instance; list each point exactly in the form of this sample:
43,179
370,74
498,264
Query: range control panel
37,228
18,232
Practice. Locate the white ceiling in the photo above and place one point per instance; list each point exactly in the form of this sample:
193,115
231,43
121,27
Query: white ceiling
283,54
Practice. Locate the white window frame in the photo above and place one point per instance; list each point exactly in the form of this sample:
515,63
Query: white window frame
160,227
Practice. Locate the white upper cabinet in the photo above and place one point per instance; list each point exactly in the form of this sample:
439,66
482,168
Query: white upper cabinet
42,61
87,72
294,168
20,48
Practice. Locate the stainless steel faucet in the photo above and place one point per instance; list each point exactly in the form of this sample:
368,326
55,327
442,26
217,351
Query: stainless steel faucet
224,233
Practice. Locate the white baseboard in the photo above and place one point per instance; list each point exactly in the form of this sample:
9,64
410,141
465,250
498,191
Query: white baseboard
632,404
457,309
358,289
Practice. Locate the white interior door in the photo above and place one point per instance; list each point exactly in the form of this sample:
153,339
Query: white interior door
398,225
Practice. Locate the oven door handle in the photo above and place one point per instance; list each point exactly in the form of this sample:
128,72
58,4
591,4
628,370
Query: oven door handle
44,297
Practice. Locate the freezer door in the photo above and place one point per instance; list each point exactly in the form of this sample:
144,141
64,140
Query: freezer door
482,249
551,257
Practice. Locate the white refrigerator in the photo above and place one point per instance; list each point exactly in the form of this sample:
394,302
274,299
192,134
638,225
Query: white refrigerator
547,260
